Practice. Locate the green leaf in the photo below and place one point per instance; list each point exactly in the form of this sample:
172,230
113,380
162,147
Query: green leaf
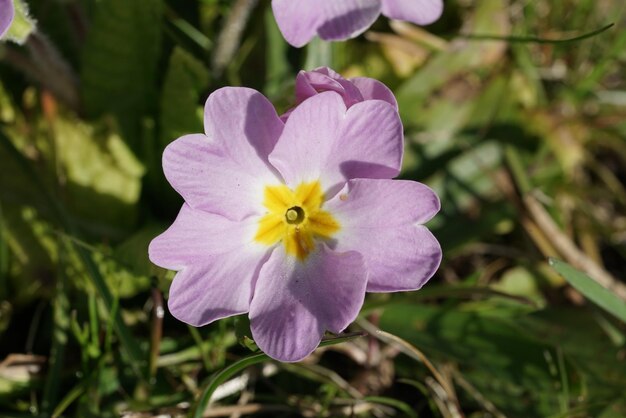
102,173
127,340
499,360
185,81
525,364
599,295
120,61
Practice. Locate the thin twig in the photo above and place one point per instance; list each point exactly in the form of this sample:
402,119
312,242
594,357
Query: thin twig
229,38
411,351
45,65
475,393
446,405
569,250
156,331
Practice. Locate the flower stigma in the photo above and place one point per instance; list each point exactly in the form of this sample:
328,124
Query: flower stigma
295,215
295,218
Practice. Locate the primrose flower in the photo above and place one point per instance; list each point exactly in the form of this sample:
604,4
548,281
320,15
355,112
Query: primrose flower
292,222
355,90
6,15
301,20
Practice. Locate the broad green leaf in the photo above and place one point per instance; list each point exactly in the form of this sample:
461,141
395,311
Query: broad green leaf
104,176
597,366
119,63
185,82
521,282
499,361
515,356
599,295
132,252
58,211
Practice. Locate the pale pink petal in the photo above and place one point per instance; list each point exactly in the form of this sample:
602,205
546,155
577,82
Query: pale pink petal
196,234
372,89
308,139
298,20
381,220
6,15
295,302
225,171
347,18
243,121
310,83
420,12
324,141
301,20
218,262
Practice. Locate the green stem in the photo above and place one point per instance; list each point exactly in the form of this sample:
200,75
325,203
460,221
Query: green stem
319,54
228,372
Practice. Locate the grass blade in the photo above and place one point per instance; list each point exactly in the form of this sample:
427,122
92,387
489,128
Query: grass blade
591,289
537,40
399,405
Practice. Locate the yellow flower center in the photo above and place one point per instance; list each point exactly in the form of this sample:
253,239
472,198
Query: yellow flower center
296,218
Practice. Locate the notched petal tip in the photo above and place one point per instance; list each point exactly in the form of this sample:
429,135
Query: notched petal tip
296,302
297,20
428,201
181,312
156,253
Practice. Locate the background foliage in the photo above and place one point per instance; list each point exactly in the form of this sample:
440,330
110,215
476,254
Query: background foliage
522,137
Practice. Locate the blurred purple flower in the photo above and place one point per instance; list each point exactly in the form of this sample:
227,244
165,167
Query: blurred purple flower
6,15
293,222
355,90
301,20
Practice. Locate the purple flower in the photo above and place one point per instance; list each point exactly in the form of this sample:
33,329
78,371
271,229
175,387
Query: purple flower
293,222
301,20
355,90
6,15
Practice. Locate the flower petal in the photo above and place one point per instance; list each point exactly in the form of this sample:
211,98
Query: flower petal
6,15
380,220
324,141
420,12
372,89
296,301
347,18
224,172
243,121
310,83
218,261
300,20
196,234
